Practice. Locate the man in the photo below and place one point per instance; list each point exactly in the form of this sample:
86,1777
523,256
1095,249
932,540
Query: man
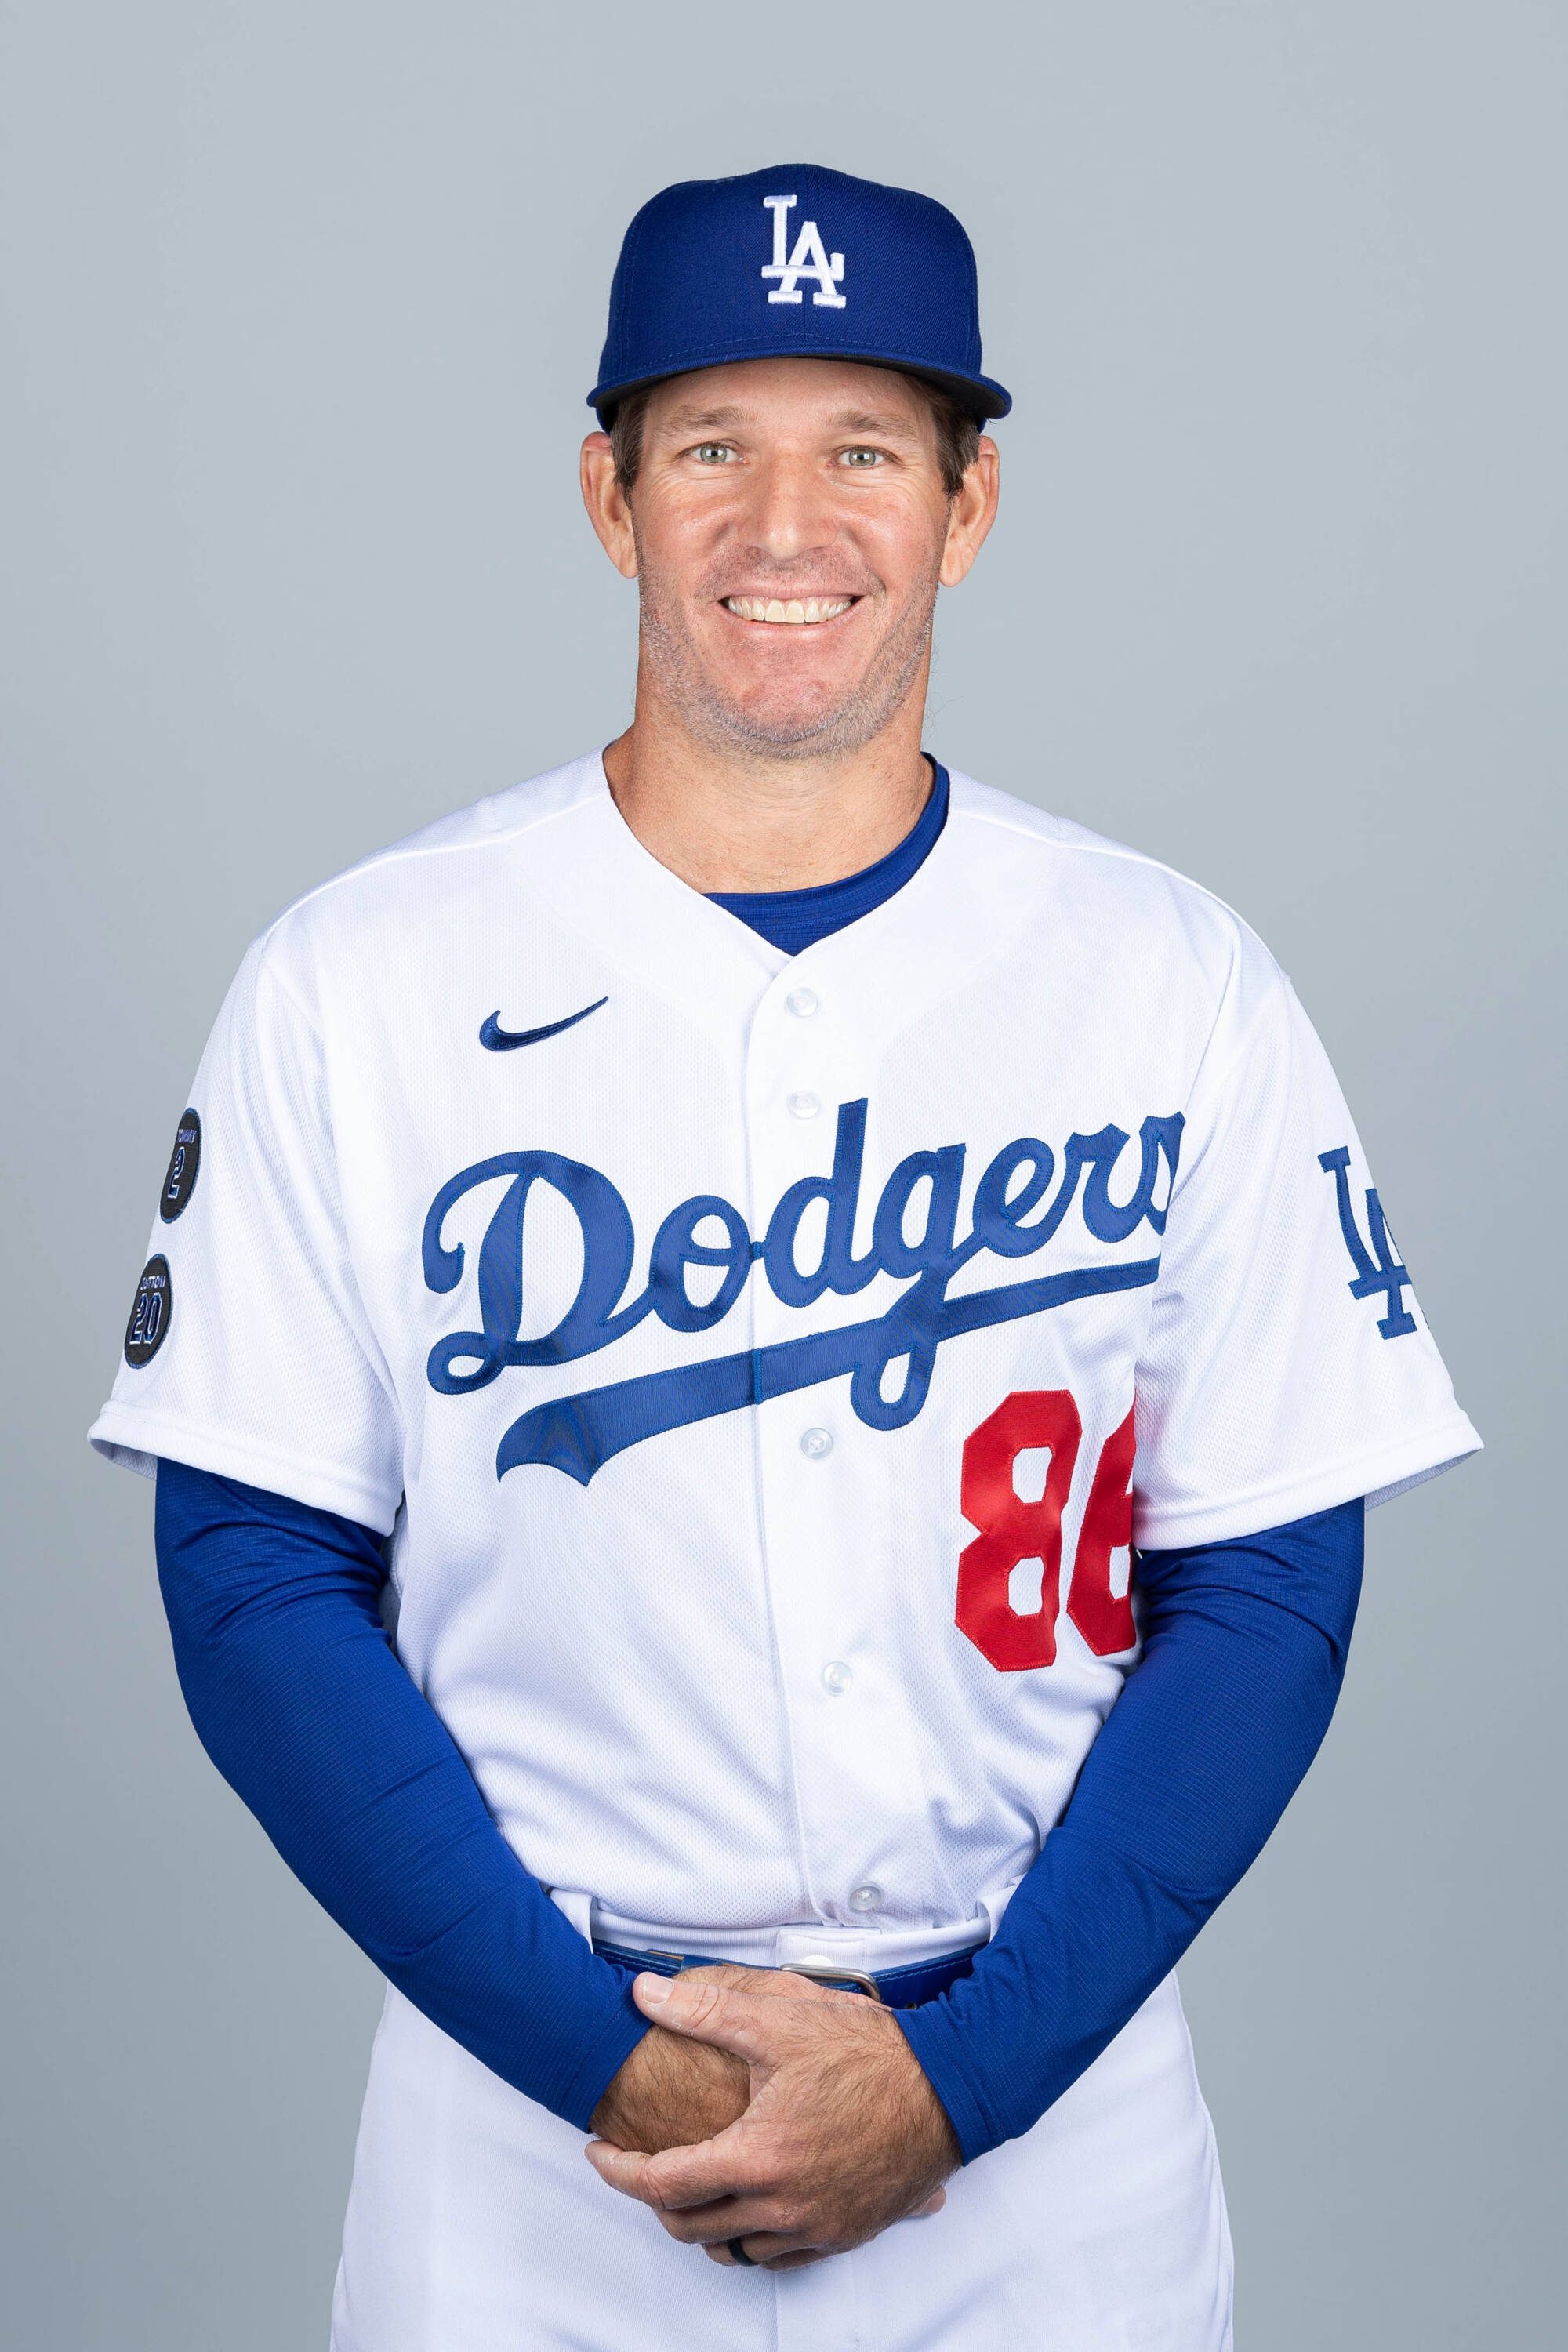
589,1257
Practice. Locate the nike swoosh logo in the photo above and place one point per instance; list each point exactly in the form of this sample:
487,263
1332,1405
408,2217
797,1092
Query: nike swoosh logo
497,1040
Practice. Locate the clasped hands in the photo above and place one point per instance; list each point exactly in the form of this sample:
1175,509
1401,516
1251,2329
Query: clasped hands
765,2106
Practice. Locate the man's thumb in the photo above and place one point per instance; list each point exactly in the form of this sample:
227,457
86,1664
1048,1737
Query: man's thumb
705,2013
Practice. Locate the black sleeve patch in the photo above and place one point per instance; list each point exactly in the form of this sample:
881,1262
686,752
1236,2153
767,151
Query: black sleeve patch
150,1315
185,1164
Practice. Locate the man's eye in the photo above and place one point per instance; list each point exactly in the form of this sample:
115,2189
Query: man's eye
714,453
861,456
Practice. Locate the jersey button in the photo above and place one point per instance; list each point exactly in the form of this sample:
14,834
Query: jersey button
817,1444
836,1676
865,1898
803,1002
804,1106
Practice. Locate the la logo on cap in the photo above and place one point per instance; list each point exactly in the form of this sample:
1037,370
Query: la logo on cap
809,259
686,293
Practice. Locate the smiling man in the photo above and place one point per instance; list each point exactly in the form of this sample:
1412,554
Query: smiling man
764,1365
796,518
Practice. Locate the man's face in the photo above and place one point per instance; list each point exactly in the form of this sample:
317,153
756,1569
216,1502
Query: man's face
789,526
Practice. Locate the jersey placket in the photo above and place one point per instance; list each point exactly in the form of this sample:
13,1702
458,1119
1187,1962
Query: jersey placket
821,1503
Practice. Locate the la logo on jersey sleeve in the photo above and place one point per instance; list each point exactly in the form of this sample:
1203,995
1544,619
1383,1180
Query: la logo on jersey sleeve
1379,1270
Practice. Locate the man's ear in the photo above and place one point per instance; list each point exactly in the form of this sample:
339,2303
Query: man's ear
972,513
606,503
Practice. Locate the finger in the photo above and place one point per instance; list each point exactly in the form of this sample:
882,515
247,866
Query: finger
739,2216
756,2218
706,2012
711,2172
769,1984
717,2171
760,2248
620,2168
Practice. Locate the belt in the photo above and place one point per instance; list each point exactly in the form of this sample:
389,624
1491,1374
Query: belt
900,1987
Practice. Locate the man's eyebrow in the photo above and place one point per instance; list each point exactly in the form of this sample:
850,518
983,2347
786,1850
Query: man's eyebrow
885,423
697,420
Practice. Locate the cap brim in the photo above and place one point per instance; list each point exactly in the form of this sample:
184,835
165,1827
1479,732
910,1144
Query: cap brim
983,398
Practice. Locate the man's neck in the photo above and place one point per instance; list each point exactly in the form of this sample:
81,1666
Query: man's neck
723,822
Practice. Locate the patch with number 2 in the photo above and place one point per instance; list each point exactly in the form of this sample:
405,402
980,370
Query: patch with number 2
185,1160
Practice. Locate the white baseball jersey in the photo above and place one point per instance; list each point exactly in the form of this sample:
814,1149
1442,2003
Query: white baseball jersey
763,1363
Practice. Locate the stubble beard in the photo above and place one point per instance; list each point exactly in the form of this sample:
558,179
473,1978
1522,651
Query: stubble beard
721,724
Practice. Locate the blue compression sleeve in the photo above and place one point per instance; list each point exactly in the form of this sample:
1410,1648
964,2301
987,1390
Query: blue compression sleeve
1244,1653
303,1705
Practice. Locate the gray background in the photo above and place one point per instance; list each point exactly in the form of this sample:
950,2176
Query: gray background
300,305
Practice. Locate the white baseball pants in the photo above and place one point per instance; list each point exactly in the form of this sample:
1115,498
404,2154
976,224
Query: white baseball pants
476,2223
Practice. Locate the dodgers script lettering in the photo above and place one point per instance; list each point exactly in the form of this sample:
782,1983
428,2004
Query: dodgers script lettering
579,1433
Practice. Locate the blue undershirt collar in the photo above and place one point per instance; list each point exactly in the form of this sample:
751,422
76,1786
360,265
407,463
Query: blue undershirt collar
793,919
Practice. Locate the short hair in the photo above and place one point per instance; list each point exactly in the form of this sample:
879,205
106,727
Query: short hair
957,432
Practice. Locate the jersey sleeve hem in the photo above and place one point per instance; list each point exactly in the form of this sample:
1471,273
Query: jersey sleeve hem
134,1438
1379,1475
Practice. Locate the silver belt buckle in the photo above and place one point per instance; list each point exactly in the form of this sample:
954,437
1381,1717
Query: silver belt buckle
823,1972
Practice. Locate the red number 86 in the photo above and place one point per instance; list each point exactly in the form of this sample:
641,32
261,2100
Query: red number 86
1012,1530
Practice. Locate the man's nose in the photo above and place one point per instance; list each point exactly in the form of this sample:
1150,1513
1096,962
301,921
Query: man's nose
788,508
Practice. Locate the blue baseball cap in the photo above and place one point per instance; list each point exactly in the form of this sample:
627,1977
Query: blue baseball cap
795,262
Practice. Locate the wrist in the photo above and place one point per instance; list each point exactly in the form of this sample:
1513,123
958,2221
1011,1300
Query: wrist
936,2047
625,2029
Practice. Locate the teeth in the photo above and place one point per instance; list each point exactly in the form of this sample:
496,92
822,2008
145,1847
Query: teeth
794,615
